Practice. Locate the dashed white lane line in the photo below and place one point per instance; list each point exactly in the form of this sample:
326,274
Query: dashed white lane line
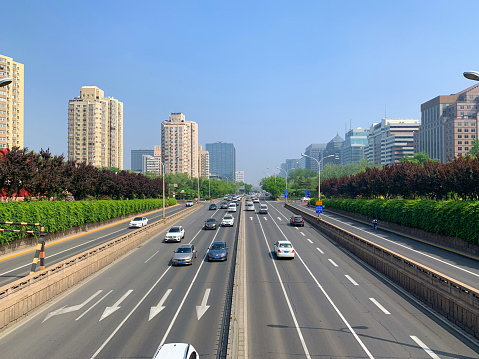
424,347
309,240
332,262
320,251
385,311
302,233
152,256
351,279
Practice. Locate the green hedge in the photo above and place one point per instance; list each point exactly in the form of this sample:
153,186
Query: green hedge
59,215
449,218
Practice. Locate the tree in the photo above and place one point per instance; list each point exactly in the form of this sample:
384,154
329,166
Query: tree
475,148
418,158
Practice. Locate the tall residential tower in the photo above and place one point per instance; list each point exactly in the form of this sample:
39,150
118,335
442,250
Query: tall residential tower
95,129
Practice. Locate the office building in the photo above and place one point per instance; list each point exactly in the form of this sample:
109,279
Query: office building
352,150
315,150
290,165
11,104
449,124
204,157
179,145
95,129
333,149
137,158
150,164
222,160
390,140
239,176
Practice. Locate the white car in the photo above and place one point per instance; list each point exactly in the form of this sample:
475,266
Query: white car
175,234
249,207
232,207
189,203
256,200
228,221
138,222
176,351
263,209
284,249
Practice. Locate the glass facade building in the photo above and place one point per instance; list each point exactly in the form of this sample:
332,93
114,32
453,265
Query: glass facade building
137,158
222,160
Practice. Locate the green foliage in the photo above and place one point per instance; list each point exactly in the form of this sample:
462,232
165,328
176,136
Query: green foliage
274,185
475,148
418,158
58,215
449,218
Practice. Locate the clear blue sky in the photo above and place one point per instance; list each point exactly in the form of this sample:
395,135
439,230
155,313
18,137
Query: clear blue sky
271,77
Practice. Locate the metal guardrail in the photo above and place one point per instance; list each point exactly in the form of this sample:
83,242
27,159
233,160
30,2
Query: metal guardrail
456,301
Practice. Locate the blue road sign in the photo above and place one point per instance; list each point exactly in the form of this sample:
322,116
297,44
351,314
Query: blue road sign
319,208
286,193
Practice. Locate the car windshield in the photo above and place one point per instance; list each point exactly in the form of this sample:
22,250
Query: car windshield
183,250
285,245
174,229
137,219
217,246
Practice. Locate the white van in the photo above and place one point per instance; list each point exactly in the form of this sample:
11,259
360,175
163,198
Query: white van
232,207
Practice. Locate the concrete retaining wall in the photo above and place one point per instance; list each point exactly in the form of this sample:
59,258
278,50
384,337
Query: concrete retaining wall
456,301
22,297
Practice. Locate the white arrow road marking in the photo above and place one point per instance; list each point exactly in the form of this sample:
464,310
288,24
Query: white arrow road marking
302,233
201,309
93,306
155,310
251,218
309,240
74,308
116,306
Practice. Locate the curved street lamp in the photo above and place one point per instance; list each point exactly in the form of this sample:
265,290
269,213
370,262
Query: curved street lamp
471,75
319,174
282,169
5,82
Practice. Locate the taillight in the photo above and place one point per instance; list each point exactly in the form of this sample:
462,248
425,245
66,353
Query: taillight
279,250
292,251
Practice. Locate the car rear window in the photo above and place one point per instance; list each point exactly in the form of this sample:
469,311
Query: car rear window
218,246
174,229
137,219
183,250
285,245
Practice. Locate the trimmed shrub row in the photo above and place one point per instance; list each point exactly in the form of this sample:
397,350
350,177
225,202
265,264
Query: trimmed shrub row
449,218
59,215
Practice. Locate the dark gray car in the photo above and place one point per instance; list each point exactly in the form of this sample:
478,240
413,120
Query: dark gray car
218,251
184,255
211,223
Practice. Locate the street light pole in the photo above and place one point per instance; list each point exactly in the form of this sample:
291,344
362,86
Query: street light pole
319,174
5,82
285,198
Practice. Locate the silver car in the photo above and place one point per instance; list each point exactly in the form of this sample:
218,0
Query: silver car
184,255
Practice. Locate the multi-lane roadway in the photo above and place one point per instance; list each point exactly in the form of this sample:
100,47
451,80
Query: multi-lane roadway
322,304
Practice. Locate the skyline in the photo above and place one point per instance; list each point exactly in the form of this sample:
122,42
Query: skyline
271,78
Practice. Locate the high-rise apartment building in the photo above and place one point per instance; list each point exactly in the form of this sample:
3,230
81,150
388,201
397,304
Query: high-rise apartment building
11,104
239,176
333,149
352,150
150,164
204,157
95,129
390,140
222,160
449,124
315,150
179,145
137,158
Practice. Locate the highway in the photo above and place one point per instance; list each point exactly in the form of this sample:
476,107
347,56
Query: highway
17,265
322,304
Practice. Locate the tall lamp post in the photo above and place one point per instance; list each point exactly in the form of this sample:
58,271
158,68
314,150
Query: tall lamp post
286,173
471,75
163,166
319,172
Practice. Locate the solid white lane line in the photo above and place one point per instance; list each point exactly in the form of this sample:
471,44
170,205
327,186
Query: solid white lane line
332,262
320,251
351,279
298,329
152,256
331,302
309,240
424,347
385,311
129,315
98,301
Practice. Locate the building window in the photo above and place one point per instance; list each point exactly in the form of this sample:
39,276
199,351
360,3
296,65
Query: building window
466,148
459,142
459,148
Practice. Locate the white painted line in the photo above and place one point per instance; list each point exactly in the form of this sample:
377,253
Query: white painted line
302,234
152,256
93,306
251,218
332,262
201,309
385,311
351,279
129,315
279,218
265,218
424,347
158,308
74,308
116,306
320,251
309,240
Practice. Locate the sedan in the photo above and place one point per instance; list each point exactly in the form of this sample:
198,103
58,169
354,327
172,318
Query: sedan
175,234
218,252
138,222
284,249
228,221
296,221
213,206
249,207
211,223
185,254
224,205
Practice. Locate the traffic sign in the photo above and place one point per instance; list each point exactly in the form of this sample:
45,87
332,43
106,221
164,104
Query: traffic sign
286,193
319,203
306,192
319,208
